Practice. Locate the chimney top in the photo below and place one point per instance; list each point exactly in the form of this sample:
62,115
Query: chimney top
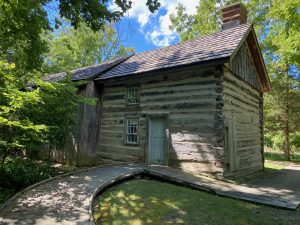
233,16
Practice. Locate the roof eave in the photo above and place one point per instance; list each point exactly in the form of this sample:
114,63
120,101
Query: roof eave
213,62
240,43
268,86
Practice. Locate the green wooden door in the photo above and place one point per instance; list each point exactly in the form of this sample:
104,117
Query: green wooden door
157,141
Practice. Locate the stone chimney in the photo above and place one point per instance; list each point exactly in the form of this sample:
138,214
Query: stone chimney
233,16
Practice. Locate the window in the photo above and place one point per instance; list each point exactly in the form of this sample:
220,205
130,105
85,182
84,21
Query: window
132,130
133,95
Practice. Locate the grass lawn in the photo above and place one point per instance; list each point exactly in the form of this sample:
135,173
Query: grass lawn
140,202
272,167
278,156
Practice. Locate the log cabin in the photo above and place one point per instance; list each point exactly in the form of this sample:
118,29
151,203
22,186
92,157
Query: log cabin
195,105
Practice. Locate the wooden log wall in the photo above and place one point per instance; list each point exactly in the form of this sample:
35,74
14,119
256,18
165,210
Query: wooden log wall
82,143
88,127
192,101
243,106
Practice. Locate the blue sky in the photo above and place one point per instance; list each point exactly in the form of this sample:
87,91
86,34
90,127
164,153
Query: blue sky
143,30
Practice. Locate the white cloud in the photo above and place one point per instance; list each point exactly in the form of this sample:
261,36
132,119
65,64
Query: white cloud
155,27
159,39
160,34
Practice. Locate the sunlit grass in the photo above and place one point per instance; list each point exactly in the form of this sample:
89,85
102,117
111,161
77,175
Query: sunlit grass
141,202
274,166
279,156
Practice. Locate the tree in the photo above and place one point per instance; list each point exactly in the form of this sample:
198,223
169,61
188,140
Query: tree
72,49
282,46
205,21
23,23
207,17
29,118
282,105
15,131
96,13
46,113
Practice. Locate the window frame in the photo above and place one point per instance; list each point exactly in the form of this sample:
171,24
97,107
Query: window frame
127,119
137,96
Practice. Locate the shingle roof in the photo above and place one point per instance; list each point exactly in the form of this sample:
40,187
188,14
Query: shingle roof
55,77
86,72
211,47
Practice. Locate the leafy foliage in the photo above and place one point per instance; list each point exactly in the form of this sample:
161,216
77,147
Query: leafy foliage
45,112
24,22
276,141
96,13
30,118
34,112
5,193
282,105
71,49
20,40
205,21
207,18
18,173
16,131
286,96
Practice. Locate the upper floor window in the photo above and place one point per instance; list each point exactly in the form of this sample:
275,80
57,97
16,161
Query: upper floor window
133,95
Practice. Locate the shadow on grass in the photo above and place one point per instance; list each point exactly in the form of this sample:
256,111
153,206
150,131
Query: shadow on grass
141,202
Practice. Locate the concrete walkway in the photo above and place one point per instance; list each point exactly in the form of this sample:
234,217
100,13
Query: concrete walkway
67,200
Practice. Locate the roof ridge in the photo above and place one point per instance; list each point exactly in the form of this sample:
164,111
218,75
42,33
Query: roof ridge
98,64
114,64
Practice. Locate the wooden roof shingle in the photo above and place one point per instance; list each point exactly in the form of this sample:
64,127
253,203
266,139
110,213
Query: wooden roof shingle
211,47
86,73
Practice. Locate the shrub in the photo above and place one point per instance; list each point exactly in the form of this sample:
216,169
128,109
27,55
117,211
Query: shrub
18,173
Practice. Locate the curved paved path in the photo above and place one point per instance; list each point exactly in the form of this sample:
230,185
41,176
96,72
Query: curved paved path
66,200
62,201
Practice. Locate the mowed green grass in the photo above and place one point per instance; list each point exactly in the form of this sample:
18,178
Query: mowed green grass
140,202
279,156
272,167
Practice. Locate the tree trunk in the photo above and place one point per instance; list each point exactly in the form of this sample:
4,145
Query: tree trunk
287,150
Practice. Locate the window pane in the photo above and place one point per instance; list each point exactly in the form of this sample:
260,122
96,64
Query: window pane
133,94
132,131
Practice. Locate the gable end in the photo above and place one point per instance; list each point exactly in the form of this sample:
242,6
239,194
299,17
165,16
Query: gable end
247,63
243,66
